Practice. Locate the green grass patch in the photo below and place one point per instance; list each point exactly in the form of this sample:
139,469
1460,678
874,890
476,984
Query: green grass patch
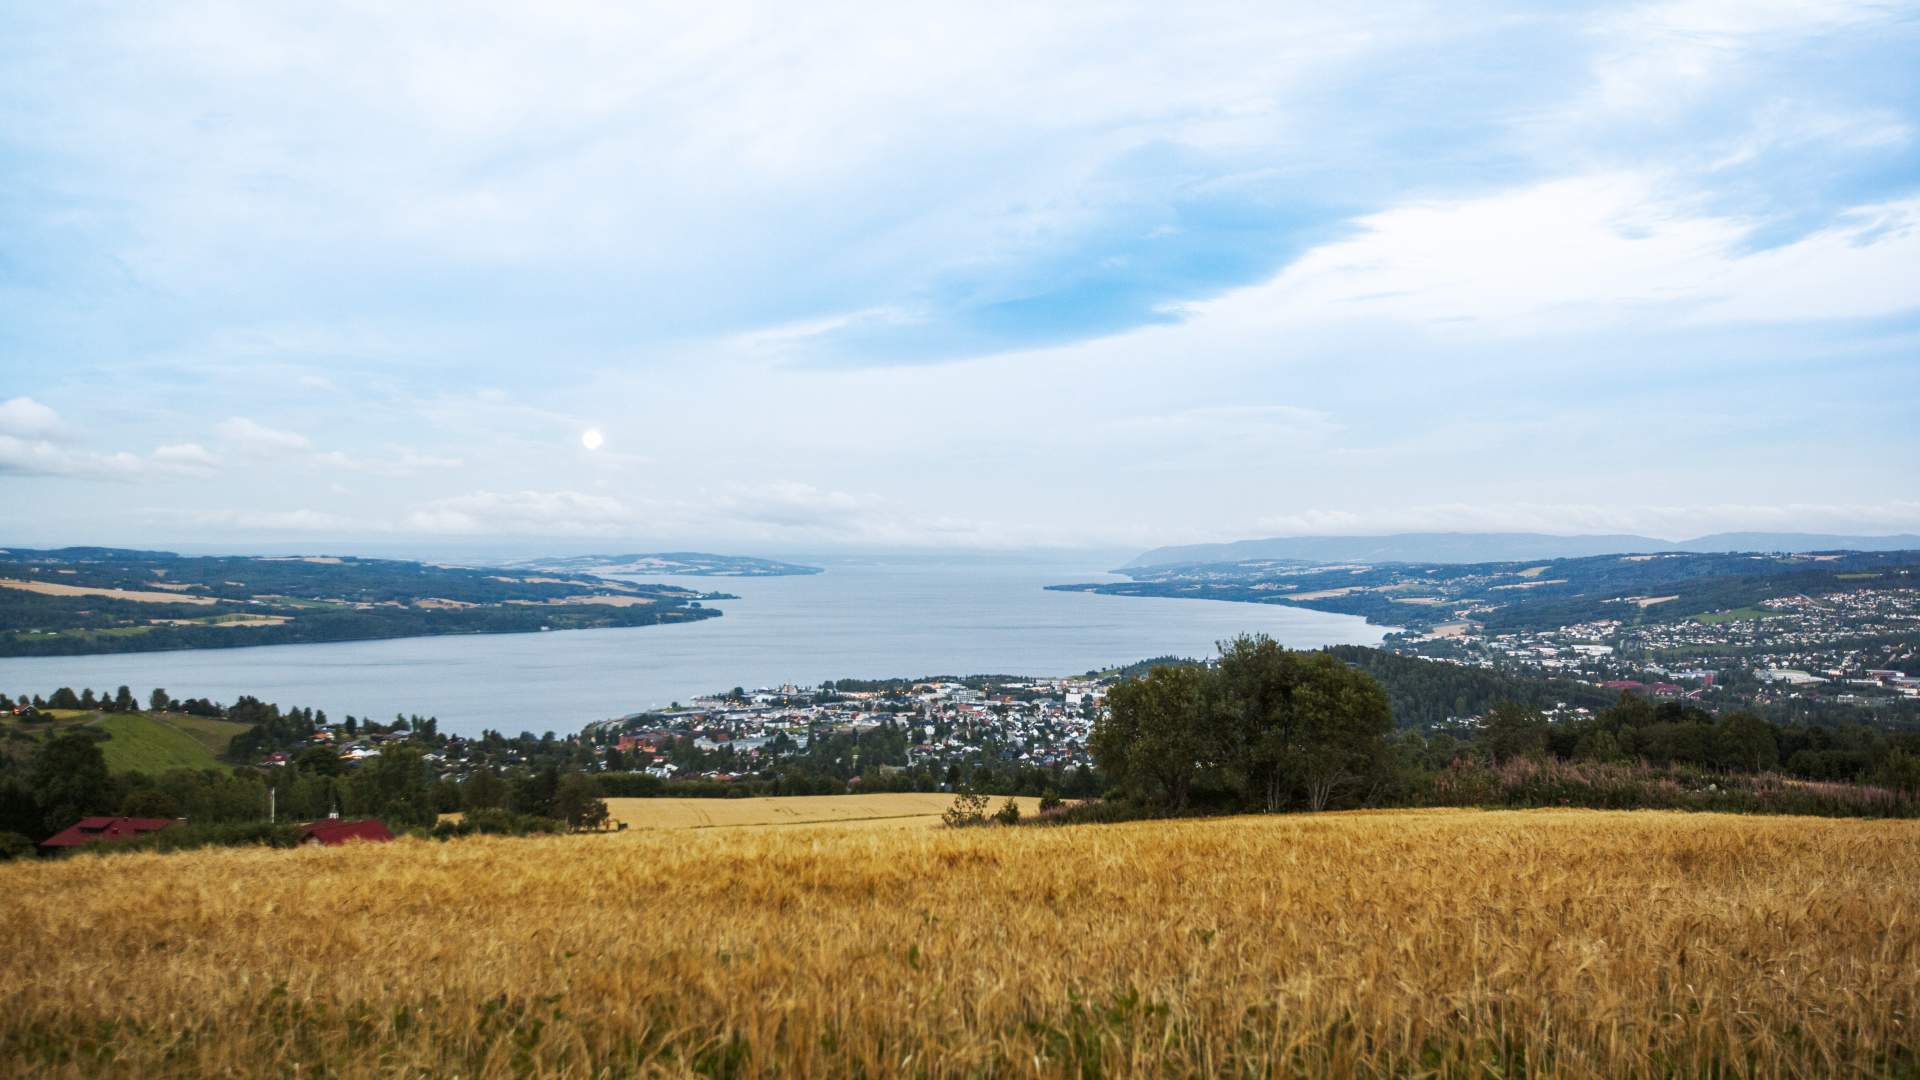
302,603
141,742
83,634
151,745
211,732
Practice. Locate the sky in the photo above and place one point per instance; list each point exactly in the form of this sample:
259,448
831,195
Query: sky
765,278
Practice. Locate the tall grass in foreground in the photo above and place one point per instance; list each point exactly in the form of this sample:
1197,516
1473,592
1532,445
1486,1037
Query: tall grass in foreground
1573,943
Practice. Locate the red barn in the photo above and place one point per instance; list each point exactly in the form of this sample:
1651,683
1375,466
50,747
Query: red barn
334,832
105,830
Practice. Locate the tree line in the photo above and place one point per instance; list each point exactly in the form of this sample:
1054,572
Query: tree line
1265,728
67,779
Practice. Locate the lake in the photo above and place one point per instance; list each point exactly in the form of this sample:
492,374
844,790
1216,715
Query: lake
863,618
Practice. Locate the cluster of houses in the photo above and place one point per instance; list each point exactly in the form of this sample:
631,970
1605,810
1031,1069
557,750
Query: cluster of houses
1841,647
329,832
1038,722
349,748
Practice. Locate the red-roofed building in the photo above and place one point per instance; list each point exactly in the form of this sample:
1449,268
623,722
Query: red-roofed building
105,830
333,832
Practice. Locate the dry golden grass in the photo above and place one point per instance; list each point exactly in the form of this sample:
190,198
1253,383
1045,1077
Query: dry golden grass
1460,943
909,809
48,588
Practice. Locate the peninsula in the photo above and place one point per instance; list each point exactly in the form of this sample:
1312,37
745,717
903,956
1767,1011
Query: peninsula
76,601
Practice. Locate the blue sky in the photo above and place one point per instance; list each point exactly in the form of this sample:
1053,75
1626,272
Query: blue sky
995,277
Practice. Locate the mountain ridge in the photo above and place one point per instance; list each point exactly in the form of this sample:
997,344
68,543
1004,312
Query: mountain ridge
1470,547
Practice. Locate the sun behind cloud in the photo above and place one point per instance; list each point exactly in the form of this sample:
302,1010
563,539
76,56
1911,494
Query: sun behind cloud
592,439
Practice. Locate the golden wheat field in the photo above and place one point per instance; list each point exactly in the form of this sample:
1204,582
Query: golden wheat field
903,809
1455,943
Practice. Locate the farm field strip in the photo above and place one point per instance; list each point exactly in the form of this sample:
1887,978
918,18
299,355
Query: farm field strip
1570,943
681,813
49,588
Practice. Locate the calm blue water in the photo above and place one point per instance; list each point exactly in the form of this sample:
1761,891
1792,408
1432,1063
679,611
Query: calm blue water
869,618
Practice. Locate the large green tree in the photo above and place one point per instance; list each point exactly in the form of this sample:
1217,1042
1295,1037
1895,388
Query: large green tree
577,802
1342,718
1155,732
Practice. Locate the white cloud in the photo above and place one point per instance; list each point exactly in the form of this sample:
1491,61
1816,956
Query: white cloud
560,513
396,462
1668,522
28,431
258,438
1206,426
22,457
25,418
300,521
186,457
1584,253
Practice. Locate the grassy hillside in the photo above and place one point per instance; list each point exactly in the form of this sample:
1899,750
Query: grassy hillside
1458,943
151,743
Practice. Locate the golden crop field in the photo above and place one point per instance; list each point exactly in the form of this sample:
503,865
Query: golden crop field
889,810
1569,943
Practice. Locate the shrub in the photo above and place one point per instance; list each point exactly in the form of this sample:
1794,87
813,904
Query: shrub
189,837
496,823
969,808
1009,812
1618,786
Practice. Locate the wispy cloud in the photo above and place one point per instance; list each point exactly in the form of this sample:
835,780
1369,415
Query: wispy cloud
255,437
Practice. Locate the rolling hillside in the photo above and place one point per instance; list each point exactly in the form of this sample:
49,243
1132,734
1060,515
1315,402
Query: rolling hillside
151,743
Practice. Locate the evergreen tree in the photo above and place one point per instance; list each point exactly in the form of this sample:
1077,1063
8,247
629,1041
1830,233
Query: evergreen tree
69,780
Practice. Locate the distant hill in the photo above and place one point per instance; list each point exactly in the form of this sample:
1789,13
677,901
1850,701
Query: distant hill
1462,547
1757,541
684,563
84,601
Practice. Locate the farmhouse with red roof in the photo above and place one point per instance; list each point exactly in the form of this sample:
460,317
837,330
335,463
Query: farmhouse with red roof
105,830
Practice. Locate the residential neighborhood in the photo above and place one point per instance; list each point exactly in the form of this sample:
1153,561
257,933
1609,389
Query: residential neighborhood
932,727
1857,647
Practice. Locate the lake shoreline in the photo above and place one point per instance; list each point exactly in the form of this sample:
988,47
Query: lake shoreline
872,619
